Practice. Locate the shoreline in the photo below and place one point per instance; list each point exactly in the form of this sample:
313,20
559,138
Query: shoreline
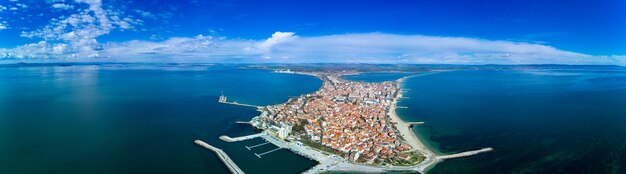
331,162
403,127
407,132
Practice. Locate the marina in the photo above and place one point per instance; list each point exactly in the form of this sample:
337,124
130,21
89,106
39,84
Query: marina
251,147
265,153
331,162
242,138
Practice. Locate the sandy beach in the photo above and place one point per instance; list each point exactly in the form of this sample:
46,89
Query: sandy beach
404,127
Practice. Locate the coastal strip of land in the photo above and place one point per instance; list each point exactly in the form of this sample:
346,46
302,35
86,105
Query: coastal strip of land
278,133
405,128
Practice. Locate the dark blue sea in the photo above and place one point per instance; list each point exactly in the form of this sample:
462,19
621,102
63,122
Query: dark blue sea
137,118
539,121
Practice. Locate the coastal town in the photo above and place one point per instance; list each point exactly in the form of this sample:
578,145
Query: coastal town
347,126
347,118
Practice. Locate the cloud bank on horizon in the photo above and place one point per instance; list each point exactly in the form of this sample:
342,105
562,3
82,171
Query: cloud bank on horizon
74,38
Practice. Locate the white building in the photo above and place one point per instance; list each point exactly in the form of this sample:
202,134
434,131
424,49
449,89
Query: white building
284,130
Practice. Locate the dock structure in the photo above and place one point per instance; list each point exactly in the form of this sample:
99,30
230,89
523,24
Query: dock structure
415,122
223,156
326,161
329,162
242,138
424,166
223,99
465,154
250,147
241,104
265,153
411,124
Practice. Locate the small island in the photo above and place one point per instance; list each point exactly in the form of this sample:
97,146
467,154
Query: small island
346,126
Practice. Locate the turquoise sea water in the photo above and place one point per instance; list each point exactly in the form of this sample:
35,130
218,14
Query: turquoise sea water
137,118
143,118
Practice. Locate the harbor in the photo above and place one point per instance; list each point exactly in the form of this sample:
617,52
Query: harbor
258,145
242,138
279,135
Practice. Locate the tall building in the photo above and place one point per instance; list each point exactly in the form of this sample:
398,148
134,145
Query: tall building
285,130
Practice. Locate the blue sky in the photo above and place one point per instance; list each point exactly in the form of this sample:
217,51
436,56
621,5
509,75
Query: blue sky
442,31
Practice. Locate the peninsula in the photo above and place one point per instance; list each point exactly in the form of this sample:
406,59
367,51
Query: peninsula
346,126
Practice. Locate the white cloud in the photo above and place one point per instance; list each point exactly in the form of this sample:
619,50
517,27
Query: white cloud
172,45
199,49
77,32
36,50
2,8
380,47
62,6
21,5
145,14
277,38
3,25
286,47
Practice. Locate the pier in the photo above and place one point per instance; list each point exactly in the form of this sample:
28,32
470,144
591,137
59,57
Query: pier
465,154
411,124
242,138
250,147
264,153
240,104
344,166
430,162
223,99
223,156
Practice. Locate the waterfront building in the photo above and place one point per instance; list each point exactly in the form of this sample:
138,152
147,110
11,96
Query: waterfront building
284,130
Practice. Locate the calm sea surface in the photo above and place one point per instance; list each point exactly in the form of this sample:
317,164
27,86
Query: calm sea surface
538,121
137,119
143,118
